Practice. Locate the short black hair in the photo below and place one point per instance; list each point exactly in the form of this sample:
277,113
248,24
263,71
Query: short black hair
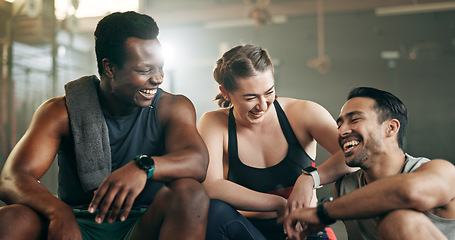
388,106
113,30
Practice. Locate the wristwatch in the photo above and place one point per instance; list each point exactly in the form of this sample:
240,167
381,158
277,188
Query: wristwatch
314,173
145,163
322,212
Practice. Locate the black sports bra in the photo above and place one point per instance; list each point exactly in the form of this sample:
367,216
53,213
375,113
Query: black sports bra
278,179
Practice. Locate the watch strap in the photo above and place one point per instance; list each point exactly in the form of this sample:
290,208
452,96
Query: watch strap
150,172
321,211
148,168
314,173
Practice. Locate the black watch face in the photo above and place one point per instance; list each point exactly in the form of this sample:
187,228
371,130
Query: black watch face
309,169
145,162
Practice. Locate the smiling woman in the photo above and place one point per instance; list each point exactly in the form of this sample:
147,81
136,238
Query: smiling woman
258,145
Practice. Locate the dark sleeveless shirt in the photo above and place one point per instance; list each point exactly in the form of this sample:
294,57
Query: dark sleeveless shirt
278,179
137,133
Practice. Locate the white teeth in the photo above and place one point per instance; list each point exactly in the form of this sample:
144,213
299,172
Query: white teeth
259,113
149,91
350,144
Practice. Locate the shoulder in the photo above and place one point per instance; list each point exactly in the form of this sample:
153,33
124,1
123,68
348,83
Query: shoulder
54,108
298,105
213,127
175,106
217,119
175,100
52,114
439,170
306,113
217,115
437,165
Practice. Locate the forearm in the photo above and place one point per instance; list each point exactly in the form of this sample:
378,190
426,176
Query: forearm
372,200
259,215
243,198
26,190
183,164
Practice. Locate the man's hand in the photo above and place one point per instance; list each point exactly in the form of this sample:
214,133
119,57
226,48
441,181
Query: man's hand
118,190
301,222
302,193
64,226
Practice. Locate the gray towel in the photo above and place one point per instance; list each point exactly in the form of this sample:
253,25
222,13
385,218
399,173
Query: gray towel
90,133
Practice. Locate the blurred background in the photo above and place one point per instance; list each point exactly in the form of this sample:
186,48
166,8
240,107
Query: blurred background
320,48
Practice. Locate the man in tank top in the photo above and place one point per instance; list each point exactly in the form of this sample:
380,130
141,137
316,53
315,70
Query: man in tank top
393,195
130,157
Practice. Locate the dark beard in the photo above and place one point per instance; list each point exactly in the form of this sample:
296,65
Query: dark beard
358,160
371,149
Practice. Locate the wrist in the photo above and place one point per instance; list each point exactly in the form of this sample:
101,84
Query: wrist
59,211
313,172
145,163
322,213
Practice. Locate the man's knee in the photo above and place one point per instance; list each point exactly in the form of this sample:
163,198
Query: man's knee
18,213
185,196
189,191
404,223
20,221
181,204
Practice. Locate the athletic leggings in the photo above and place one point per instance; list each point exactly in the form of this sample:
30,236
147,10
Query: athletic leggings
226,223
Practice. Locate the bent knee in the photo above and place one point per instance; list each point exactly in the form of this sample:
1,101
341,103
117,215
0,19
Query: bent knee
184,193
18,213
19,220
401,221
188,189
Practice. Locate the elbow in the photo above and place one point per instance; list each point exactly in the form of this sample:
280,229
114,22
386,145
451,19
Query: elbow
197,172
414,196
201,174
2,193
205,163
201,171
4,188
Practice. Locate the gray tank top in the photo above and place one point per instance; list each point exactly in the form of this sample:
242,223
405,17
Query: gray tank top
366,229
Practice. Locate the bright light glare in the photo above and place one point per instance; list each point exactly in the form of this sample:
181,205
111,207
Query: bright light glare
90,8
169,55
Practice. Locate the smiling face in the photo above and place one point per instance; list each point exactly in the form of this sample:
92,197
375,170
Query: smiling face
253,97
360,133
135,83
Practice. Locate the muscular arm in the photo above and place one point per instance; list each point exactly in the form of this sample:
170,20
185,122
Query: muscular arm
31,158
213,129
187,155
430,186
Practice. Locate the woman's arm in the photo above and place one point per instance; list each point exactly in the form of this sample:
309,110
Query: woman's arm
312,122
213,127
